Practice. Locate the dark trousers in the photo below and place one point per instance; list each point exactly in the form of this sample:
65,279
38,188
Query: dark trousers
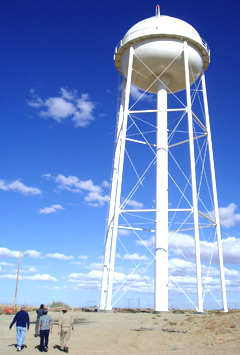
44,334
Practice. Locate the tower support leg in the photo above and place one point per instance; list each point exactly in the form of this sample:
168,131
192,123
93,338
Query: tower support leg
193,181
215,199
110,252
108,241
161,236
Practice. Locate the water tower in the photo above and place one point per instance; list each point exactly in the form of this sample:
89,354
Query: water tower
160,58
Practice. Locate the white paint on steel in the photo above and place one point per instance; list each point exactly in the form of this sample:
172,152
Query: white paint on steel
193,180
119,183
161,234
215,198
157,42
156,55
108,241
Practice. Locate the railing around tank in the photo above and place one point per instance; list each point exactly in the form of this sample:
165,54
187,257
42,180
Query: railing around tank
132,35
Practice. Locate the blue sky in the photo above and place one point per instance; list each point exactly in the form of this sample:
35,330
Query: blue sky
58,103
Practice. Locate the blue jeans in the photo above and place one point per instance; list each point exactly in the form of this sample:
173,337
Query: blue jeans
44,334
20,333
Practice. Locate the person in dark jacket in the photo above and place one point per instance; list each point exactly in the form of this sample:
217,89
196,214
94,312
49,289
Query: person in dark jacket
39,314
22,325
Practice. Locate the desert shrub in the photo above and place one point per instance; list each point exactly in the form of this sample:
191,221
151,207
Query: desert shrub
58,304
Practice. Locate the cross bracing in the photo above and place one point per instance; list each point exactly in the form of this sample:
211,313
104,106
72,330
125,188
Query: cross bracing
135,225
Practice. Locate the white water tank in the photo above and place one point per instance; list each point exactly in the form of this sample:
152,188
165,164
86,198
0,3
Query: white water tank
158,48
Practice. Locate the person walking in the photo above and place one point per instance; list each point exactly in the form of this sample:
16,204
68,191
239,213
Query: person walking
64,329
39,314
45,327
22,325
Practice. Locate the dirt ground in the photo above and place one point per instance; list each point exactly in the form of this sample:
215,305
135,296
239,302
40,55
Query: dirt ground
136,333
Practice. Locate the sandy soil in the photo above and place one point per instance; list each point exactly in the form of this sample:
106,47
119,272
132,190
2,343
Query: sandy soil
136,333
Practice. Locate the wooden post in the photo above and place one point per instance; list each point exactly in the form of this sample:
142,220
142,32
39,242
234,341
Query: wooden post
17,280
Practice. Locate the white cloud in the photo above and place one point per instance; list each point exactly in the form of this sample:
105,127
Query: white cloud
182,273
38,277
135,204
228,216
3,185
57,108
74,184
138,94
133,257
83,257
19,187
105,184
51,209
95,199
77,263
68,105
28,270
46,287
124,232
183,245
3,263
59,256
42,277
46,176
95,266
180,267
231,250
89,281
33,254
6,253
148,242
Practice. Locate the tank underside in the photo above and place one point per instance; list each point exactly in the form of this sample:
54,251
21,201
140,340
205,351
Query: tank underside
160,62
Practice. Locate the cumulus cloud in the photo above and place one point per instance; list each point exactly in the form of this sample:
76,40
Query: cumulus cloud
138,94
124,232
147,242
3,263
182,275
33,254
133,257
231,250
59,256
105,184
83,257
95,199
183,245
77,263
19,187
7,253
46,176
51,209
95,266
90,281
135,204
74,184
28,270
38,277
68,105
42,277
228,216
94,195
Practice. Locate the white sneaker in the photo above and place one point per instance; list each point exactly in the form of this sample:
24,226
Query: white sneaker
18,348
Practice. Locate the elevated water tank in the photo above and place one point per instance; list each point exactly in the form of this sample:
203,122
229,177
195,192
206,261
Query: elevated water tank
158,47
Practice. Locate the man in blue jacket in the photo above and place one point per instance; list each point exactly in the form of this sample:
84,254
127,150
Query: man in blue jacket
22,325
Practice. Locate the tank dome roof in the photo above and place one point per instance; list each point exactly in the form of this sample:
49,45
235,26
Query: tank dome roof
163,25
